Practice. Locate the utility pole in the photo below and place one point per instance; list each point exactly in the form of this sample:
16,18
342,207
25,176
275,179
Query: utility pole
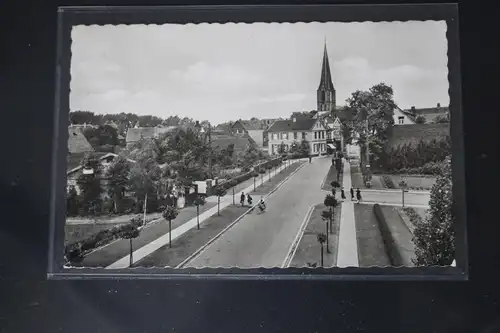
210,149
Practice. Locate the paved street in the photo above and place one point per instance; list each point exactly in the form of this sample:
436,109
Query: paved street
264,240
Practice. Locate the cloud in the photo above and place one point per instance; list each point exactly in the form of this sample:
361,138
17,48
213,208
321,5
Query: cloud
221,72
283,98
216,77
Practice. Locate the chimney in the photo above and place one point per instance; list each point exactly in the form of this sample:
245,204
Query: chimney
438,105
413,109
294,119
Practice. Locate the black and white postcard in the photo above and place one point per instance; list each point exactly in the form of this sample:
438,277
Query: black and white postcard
263,145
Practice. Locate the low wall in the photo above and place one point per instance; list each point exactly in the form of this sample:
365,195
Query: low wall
77,232
397,239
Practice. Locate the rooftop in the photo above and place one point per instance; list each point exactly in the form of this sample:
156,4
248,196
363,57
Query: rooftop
300,124
77,143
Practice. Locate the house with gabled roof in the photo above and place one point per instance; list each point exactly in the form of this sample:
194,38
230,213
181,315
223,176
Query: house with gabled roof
138,133
285,133
256,129
78,146
430,115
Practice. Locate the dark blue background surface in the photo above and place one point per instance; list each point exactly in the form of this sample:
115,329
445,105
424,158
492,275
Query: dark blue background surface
29,303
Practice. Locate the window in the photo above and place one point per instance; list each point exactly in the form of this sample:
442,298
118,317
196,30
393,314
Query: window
315,135
401,120
303,135
322,134
295,135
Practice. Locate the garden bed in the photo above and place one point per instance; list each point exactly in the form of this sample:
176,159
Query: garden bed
371,248
308,253
414,182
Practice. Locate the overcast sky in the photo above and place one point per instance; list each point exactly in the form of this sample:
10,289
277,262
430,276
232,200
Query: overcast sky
221,72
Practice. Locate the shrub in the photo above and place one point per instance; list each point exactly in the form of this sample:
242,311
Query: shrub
335,184
387,181
434,237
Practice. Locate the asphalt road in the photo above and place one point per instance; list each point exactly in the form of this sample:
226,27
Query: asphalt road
264,240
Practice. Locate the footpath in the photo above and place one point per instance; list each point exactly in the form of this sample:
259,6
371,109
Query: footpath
154,241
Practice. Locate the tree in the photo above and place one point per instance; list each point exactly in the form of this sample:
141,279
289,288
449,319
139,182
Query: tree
269,168
441,120
255,174
118,178
304,148
233,184
130,231
372,119
219,191
251,155
262,171
282,148
72,202
331,203
198,201
169,214
326,215
420,119
322,239
434,237
89,183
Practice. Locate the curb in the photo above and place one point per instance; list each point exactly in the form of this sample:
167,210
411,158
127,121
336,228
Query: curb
295,244
211,241
397,256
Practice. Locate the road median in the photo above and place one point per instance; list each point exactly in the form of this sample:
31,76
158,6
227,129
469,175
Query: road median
307,252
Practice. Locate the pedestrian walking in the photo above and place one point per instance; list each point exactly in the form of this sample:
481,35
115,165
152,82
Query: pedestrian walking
242,199
249,200
352,193
310,158
342,194
358,195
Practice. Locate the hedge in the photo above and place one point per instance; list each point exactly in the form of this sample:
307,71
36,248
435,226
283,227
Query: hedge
387,181
76,251
391,248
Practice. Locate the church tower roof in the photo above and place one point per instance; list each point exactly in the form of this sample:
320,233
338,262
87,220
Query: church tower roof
326,83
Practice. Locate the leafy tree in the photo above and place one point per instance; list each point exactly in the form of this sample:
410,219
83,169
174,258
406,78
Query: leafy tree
372,112
282,148
232,184
198,201
441,119
72,202
84,117
169,214
255,174
304,148
326,215
219,191
262,171
331,203
90,184
251,155
130,231
434,237
420,120
322,239
118,179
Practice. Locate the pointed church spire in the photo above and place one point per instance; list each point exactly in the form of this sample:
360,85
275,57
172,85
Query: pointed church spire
326,92
326,76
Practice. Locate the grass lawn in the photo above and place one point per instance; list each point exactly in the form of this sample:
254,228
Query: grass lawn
309,250
371,248
356,176
414,182
331,176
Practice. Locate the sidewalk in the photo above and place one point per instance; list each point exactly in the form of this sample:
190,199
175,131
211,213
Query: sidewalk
184,227
347,246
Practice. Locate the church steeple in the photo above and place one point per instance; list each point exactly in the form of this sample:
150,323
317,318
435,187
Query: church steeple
326,92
